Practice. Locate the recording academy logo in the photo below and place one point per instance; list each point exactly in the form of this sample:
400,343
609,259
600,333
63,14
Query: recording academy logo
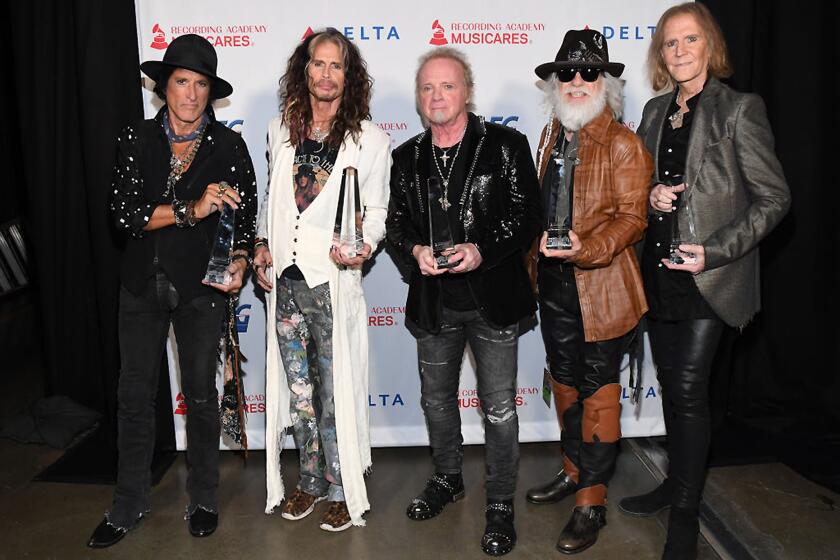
158,38
181,404
385,316
438,35
484,32
220,35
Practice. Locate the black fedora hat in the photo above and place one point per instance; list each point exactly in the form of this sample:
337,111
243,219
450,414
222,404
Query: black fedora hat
581,48
191,52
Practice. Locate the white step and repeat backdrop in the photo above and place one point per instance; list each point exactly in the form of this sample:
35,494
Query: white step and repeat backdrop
504,41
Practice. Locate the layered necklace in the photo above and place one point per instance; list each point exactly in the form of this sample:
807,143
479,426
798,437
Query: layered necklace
177,165
444,200
319,134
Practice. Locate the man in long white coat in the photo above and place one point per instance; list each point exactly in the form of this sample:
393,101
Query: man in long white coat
317,356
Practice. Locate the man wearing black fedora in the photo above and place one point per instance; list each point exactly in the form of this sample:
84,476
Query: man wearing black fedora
594,175
172,176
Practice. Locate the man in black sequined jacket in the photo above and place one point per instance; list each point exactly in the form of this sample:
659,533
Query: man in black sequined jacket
172,176
478,291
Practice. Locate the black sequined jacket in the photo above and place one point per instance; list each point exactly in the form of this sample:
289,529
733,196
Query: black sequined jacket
500,212
140,172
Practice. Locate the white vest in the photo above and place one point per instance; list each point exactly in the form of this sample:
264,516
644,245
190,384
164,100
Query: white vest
304,238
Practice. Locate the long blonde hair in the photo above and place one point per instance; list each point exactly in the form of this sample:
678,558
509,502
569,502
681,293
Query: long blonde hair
719,65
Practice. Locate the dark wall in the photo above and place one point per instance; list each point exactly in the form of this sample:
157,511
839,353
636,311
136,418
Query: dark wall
787,361
74,69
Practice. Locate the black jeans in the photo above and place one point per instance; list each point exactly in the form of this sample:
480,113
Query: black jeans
683,352
587,375
143,327
495,352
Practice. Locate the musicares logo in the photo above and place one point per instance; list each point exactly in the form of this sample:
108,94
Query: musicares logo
485,33
438,35
159,41
307,33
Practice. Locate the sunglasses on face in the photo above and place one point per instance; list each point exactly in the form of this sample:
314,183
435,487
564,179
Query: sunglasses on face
587,74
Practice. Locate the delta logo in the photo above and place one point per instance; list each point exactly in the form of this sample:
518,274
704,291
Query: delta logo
364,32
228,35
627,32
384,316
484,33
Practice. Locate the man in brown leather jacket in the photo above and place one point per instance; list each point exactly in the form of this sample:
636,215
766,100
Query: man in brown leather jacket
594,175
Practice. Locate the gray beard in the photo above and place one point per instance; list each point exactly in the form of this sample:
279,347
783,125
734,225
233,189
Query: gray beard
575,117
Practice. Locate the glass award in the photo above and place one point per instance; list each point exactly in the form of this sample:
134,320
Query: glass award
347,235
559,221
440,233
682,229
217,272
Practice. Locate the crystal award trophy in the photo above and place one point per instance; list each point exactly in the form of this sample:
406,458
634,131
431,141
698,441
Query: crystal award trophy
217,272
559,222
440,234
347,235
682,228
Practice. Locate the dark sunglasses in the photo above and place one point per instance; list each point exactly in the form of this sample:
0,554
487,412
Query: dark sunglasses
587,74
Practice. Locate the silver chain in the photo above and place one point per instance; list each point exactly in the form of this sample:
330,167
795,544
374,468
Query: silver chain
444,200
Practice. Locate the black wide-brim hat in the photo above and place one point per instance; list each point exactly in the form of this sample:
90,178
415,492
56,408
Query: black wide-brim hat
191,52
581,48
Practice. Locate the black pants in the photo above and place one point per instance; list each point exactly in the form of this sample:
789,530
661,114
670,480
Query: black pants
586,385
683,352
440,357
143,327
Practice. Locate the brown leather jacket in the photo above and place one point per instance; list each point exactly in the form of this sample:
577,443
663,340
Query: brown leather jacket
609,215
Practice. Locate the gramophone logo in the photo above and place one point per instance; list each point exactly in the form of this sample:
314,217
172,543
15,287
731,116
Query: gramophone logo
439,35
159,41
182,404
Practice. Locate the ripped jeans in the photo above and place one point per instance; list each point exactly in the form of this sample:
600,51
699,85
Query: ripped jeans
495,353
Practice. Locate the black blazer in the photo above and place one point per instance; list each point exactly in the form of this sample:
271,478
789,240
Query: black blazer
500,214
140,172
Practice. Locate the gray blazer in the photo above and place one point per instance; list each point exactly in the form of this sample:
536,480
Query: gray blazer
735,188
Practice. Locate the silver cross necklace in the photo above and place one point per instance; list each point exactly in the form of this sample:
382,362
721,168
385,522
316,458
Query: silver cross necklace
444,200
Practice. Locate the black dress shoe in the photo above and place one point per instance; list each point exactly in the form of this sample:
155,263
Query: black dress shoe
552,492
683,529
581,531
440,490
106,535
499,535
648,504
203,522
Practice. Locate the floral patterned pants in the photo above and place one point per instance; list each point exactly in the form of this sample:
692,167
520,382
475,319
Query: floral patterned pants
304,334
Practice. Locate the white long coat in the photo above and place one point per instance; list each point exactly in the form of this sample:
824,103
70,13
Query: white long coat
371,157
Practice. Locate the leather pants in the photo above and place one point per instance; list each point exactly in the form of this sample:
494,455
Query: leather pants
683,352
586,386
